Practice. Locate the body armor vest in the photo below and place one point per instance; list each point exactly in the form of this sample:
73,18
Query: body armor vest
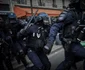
37,38
68,33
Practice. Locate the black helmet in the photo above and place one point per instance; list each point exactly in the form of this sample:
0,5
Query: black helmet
44,18
12,20
11,15
79,4
74,1
42,14
74,4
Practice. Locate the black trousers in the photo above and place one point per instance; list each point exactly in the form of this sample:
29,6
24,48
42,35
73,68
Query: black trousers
39,59
76,53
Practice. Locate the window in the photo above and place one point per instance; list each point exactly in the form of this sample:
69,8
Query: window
22,1
41,3
54,3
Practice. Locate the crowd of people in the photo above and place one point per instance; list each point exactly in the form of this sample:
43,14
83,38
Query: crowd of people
34,36
21,37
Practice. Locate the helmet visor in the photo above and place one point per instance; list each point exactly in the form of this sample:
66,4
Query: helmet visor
46,20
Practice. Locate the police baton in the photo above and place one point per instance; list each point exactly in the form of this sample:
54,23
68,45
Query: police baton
22,31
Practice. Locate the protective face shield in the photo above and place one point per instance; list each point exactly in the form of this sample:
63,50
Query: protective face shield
12,23
12,17
11,20
46,21
44,18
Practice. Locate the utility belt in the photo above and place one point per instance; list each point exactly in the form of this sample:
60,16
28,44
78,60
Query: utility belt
66,42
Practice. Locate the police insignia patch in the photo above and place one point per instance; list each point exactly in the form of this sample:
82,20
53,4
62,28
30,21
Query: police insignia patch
38,35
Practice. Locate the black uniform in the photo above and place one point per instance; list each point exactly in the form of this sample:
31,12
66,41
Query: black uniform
5,51
71,23
36,39
17,45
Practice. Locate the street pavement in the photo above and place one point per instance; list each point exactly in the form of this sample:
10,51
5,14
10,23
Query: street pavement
56,57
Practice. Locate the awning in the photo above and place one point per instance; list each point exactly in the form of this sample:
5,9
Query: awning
27,11
19,12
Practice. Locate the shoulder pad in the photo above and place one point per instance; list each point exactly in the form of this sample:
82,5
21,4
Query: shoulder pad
66,16
62,16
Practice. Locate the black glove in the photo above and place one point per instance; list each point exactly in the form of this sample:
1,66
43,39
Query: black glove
20,33
47,49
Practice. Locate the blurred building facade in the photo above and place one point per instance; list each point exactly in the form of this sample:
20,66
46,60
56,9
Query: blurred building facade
51,7
54,4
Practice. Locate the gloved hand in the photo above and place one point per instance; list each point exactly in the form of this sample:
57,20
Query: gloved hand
47,49
20,33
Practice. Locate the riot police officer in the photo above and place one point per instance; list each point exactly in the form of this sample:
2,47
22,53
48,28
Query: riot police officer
1,54
36,39
5,55
17,45
71,22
